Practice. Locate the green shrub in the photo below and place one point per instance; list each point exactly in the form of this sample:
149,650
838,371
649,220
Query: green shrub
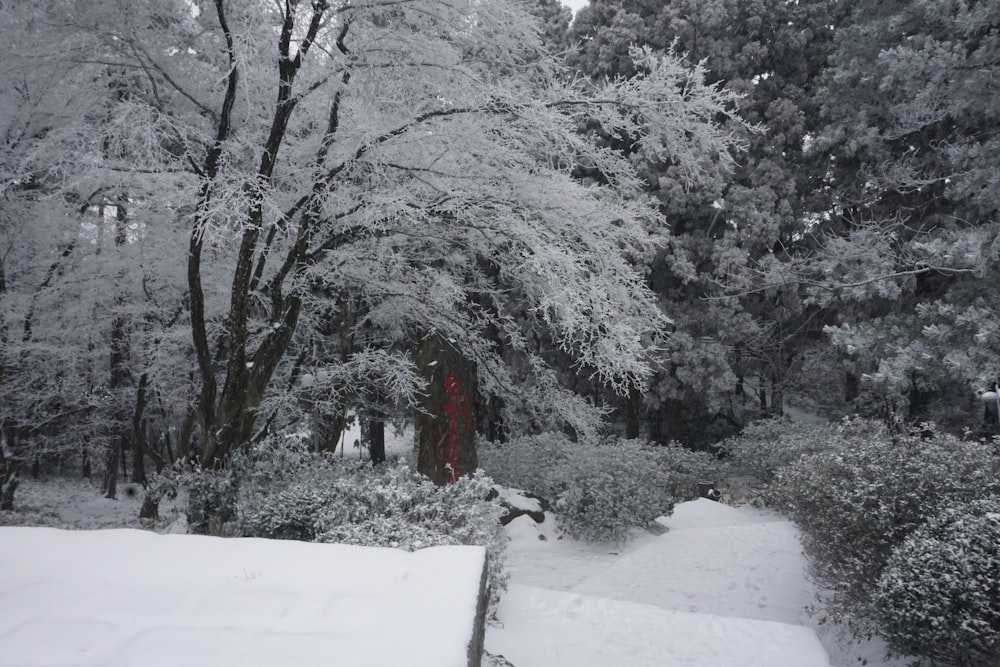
939,595
858,502
599,490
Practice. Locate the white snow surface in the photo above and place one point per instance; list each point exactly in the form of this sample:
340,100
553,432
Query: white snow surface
109,598
723,587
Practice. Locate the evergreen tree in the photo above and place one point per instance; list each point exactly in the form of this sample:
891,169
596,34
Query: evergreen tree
909,105
724,236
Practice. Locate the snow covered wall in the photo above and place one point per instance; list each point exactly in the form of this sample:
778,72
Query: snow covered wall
110,598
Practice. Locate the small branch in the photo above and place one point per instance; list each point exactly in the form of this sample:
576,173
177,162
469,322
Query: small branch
831,287
402,129
210,112
29,318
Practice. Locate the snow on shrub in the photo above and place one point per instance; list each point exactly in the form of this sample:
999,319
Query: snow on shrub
611,488
939,595
329,500
766,446
600,490
535,463
856,503
280,490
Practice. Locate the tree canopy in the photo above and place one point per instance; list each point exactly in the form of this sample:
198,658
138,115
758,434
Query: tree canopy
226,219
283,175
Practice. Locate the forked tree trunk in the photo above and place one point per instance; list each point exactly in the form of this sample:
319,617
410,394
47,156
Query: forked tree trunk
227,417
446,419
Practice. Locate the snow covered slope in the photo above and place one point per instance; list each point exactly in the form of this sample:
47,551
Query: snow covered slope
723,587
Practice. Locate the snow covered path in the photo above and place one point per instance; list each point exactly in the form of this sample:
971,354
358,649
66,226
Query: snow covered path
724,586
715,559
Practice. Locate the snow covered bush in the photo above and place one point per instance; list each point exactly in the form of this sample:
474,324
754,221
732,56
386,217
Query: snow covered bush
327,499
534,463
610,488
600,490
856,503
212,498
764,447
939,595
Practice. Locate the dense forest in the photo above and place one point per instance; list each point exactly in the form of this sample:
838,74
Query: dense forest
663,219
591,257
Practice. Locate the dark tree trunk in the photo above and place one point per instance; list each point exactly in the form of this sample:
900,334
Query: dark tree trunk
446,420
110,486
8,481
150,507
120,375
168,449
375,438
777,407
8,464
633,413
331,429
333,425
852,386
666,424
185,437
738,370
139,445
491,419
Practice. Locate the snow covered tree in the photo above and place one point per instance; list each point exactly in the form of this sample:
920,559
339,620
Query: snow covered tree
93,295
416,159
909,104
724,233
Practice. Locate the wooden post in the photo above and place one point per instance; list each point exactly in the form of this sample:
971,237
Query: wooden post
446,414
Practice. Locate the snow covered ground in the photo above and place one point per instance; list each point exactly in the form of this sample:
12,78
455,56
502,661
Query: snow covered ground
719,586
723,587
111,598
